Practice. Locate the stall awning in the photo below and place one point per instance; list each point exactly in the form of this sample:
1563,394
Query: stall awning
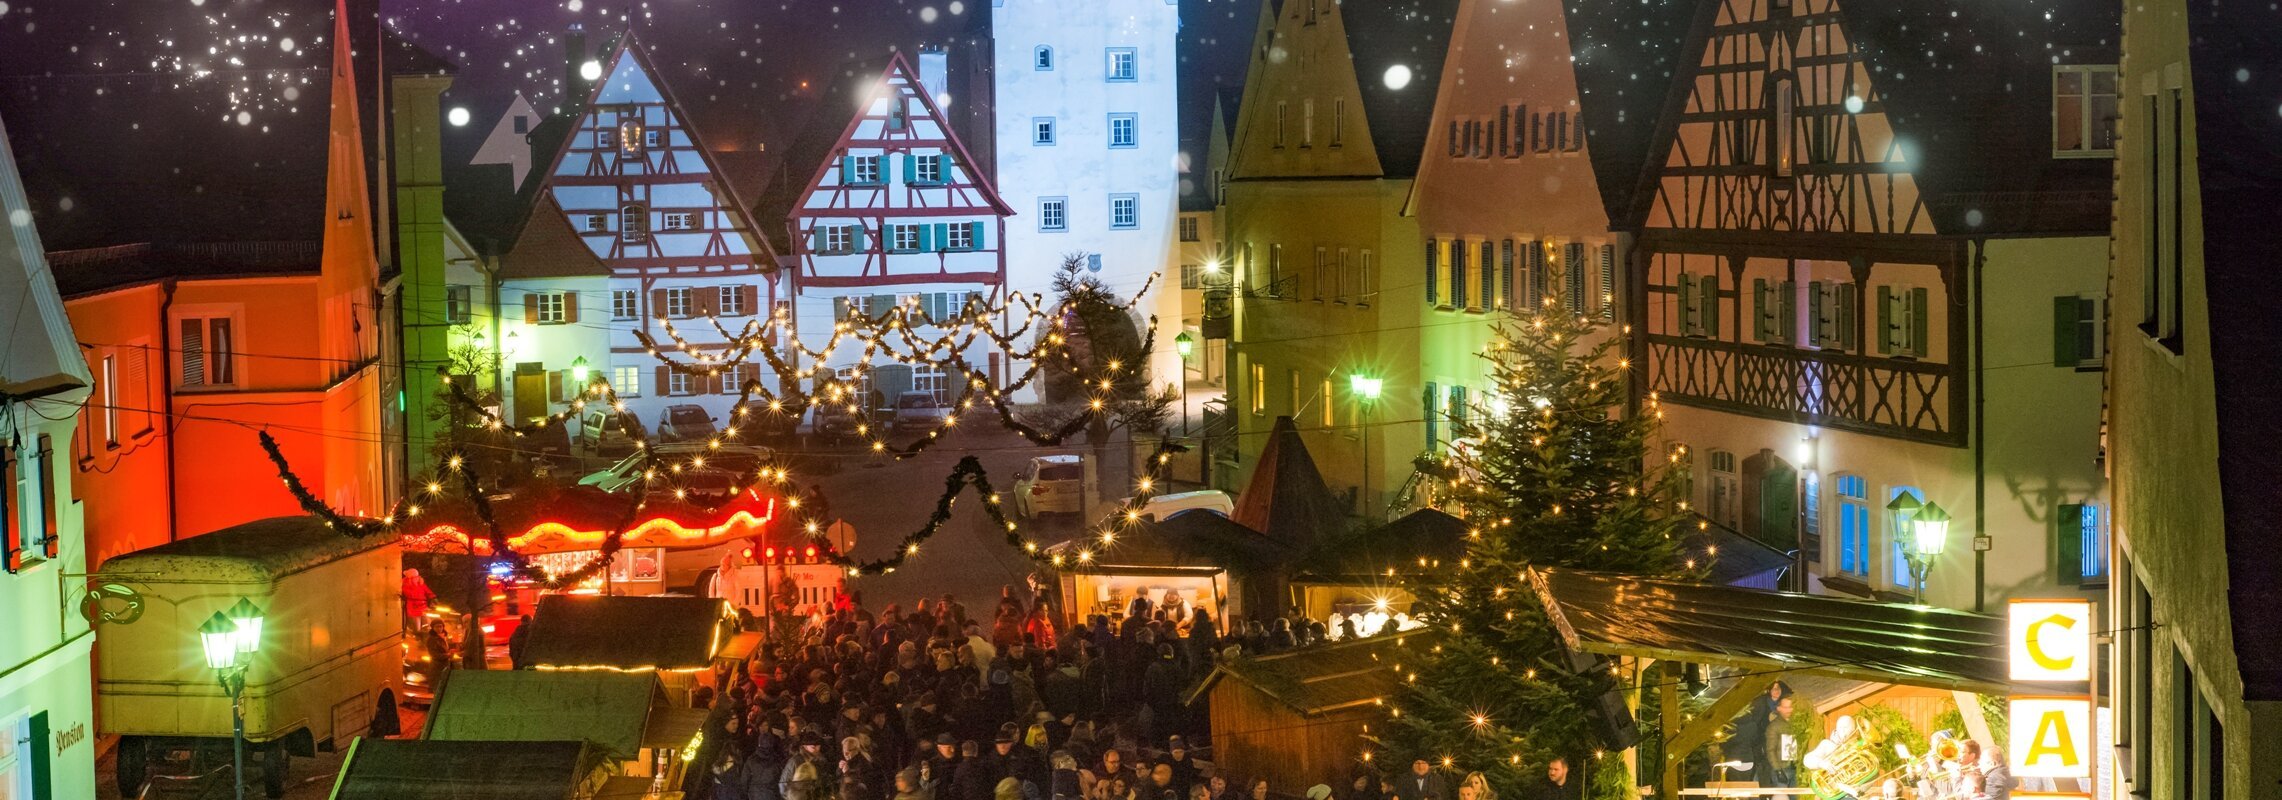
1323,678
628,633
420,769
607,709
1759,631
1196,541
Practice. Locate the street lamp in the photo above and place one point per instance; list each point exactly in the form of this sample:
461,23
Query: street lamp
1366,390
1926,526
1184,344
578,372
230,640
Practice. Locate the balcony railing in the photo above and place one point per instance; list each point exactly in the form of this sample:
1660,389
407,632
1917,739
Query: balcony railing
1894,397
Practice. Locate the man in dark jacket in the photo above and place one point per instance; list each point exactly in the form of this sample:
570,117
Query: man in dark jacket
1161,689
942,764
975,778
1422,783
1184,768
1558,784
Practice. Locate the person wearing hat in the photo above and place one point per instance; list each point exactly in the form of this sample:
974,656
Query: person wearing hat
805,776
1184,767
941,764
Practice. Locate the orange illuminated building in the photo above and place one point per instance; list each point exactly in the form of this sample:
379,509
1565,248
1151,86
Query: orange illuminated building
230,287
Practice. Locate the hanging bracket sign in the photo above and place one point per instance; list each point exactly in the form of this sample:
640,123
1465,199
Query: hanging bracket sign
2052,732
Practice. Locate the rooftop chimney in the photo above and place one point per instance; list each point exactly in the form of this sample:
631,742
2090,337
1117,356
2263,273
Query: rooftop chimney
575,86
934,70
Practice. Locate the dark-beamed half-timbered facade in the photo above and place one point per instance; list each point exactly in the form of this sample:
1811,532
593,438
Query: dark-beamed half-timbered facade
1850,233
897,214
665,239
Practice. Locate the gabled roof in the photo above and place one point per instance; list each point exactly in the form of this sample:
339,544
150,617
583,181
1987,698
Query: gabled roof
1425,533
1967,88
421,769
627,633
1190,540
609,710
1286,498
900,78
2236,76
42,357
1324,678
1381,36
548,248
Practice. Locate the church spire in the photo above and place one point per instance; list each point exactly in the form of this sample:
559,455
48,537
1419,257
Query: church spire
348,332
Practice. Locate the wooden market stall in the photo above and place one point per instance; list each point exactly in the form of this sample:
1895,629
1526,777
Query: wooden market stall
423,769
625,717
674,636
1211,561
1298,718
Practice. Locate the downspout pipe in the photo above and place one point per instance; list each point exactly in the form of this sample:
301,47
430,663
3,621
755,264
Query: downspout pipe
1980,437
166,403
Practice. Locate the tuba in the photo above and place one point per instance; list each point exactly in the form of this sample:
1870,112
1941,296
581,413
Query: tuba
1847,772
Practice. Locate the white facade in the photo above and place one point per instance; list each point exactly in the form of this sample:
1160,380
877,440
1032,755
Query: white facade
47,716
1088,146
639,191
895,215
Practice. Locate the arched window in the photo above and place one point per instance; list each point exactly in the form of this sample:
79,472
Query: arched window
1044,58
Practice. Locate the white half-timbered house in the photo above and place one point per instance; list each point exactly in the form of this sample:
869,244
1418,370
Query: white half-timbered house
896,213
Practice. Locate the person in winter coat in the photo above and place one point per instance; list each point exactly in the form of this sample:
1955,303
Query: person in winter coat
939,766
1008,789
1161,690
1184,768
764,765
908,786
976,777
805,775
1065,778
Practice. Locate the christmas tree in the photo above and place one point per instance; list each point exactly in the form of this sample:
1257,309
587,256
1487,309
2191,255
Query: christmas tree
1554,473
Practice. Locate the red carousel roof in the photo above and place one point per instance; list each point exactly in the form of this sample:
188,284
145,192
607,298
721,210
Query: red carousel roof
570,519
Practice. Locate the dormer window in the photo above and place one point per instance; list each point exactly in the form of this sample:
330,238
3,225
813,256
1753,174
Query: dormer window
1043,58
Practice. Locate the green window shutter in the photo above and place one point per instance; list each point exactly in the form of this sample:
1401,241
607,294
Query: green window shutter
1458,407
1489,276
942,168
847,170
910,168
2068,543
1709,286
1920,311
1433,260
974,236
1433,423
927,238
38,749
1885,320
2064,322
816,240
1787,311
1762,315
1849,326
1815,310
881,305
1687,304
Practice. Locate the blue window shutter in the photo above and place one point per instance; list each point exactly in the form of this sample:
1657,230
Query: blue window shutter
847,170
942,168
856,239
1431,266
1433,422
910,168
816,240
974,236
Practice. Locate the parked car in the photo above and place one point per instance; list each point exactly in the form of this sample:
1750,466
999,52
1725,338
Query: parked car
1166,505
685,423
732,459
834,420
603,433
919,411
1053,485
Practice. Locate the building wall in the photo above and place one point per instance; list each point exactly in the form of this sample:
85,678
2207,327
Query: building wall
2170,533
1373,332
530,346
46,706
421,233
1204,258
1080,165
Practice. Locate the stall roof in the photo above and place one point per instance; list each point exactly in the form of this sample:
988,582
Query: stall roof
1195,540
260,551
1425,533
423,769
1751,629
1286,497
628,633
610,710
1324,678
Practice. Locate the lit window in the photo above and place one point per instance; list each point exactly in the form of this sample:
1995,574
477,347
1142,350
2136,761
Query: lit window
1810,515
623,304
111,400
1853,526
677,383
732,302
2082,541
1307,122
551,308
679,302
1053,214
2083,110
1124,211
1123,130
1191,276
1899,542
1123,63
1324,400
458,306
1259,390
631,141
626,381
1042,130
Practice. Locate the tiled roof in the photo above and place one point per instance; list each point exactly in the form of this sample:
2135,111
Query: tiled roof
423,769
548,248
1287,498
82,272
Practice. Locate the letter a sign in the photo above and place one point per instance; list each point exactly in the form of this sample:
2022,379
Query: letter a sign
2050,643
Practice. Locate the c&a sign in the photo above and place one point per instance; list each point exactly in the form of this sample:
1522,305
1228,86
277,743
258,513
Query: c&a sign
2050,643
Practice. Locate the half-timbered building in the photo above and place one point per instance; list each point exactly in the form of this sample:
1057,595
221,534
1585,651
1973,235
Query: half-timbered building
1869,258
895,214
670,242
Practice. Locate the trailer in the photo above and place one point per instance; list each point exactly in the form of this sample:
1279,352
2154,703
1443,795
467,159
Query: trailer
331,646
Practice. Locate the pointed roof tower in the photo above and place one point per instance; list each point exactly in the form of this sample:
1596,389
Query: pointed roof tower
42,357
347,333
1287,499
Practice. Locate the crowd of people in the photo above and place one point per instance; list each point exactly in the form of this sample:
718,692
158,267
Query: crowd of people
932,702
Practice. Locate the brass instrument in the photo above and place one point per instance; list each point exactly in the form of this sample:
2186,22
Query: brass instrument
1849,772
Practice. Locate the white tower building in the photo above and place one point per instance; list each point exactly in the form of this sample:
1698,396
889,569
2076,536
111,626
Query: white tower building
1088,147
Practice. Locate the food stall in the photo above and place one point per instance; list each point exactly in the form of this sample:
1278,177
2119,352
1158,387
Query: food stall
1209,560
623,716
678,638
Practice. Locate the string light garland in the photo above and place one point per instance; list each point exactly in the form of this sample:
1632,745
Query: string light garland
354,527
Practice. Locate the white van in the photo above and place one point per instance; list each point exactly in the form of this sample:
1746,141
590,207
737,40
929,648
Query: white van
1166,505
1053,485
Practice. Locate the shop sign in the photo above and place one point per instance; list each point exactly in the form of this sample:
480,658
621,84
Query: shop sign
2052,735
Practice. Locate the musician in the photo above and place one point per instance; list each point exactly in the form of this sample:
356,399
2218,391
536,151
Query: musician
1779,758
1996,778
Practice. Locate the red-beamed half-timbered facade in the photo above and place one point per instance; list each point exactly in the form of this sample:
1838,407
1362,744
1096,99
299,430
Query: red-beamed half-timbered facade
898,214
1848,246
670,242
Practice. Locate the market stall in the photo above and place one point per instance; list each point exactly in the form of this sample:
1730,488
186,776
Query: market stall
421,769
1297,718
1203,557
623,716
676,637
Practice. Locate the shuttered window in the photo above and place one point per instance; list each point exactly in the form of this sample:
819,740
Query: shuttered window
2078,327
208,352
1573,274
1608,282
2080,538
1458,273
1489,297
1433,271
1432,398
1506,299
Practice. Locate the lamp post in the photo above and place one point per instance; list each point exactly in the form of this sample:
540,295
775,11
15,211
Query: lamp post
578,372
1923,530
1184,344
230,640
1366,390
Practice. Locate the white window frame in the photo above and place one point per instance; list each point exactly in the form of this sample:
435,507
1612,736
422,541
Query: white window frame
1192,276
1338,121
1131,213
839,238
1128,124
1053,214
605,138
597,223
625,304
679,384
652,138
1123,65
1724,502
633,223
1190,229
958,236
676,221
111,399
681,303
903,237
230,372
927,169
866,170
1307,122
2087,122
1042,131
459,304
553,308
626,381
731,303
